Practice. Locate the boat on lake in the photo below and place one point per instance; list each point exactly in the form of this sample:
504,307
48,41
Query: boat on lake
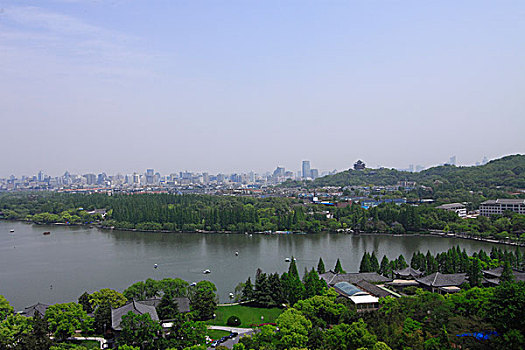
46,233
206,271
12,230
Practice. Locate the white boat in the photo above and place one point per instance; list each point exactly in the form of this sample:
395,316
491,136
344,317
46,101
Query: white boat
155,266
193,284
236,253
206,271
231,295
287,259
12,230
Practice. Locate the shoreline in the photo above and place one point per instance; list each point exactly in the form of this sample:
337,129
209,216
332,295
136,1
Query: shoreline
437,233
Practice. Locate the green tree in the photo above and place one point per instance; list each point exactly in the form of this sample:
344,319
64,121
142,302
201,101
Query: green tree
65,319
385,268
338,267
106,295
507,275
293,329
168,307
247,291
365,265
13,329
475,274
139,330
103,317
86,304
349,336
320,266
5,308
292,269
203,300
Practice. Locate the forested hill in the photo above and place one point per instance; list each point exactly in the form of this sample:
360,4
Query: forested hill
508,172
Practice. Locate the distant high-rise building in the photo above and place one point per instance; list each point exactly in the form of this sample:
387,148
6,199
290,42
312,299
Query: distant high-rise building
411,168
314,173
90,179
205,178
484,161
278,172
40,176
150,173
306,169
452,160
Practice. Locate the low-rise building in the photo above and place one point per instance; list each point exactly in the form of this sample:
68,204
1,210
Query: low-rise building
458,208
499,206
443,283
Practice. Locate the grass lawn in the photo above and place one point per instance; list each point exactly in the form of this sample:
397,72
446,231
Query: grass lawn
217,334
248,315
90,344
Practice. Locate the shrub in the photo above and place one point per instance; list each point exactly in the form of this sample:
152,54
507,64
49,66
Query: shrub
233,321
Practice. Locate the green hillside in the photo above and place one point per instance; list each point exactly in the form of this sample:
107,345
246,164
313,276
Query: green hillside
508,172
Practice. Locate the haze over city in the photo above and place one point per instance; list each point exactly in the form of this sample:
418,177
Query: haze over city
90,86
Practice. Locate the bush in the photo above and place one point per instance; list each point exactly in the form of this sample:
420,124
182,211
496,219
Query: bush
233,321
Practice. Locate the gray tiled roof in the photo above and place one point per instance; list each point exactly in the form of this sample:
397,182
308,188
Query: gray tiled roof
136,307
30,310
332,278
443,280
183,303
373,289
451,206
408,272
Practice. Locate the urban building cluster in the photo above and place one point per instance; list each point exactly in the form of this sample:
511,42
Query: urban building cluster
153,180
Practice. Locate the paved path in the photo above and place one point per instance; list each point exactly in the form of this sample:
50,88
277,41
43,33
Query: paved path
231,329
231,342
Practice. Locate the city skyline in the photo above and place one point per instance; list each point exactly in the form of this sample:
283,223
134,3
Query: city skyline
234,86
298,172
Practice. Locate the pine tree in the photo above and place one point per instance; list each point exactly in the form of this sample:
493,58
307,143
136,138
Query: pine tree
247,291
474,273
292,270
338,267
507,275
401,263
84,301
320,266
365,265
374,264
385,269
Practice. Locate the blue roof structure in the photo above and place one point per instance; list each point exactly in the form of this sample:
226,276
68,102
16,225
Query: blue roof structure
348,289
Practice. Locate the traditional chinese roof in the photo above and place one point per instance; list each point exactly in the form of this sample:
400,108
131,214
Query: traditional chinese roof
408,272
443,280
137,307
331,278
30,310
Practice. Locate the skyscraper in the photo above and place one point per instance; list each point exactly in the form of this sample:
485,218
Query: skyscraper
306,169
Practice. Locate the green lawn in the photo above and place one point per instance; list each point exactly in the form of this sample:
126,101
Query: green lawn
90,344
248,315
217,334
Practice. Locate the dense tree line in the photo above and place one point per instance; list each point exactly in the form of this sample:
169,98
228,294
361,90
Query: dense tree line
454,260
193,213
271,290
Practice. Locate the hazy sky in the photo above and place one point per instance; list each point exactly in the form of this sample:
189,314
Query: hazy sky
229,86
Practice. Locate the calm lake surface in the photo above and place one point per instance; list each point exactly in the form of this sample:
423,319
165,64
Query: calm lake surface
59,267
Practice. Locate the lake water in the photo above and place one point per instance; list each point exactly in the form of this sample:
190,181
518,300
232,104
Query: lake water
61,266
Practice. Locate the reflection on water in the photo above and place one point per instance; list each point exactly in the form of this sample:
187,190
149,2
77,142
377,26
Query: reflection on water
61,266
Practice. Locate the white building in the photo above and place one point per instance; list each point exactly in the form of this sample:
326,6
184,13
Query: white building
499,206
458,208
